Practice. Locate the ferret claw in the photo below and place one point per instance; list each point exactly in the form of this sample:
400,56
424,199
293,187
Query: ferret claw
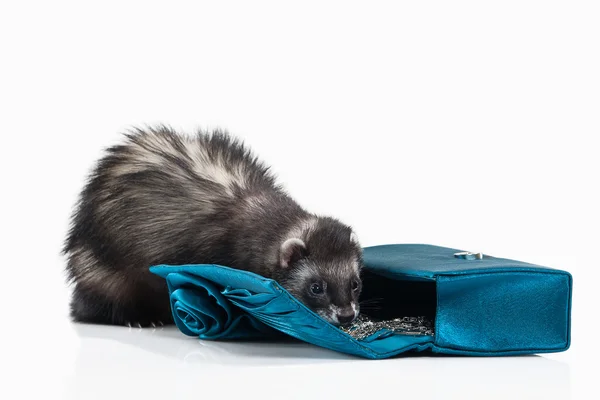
139,325
153,324
161,323
128,324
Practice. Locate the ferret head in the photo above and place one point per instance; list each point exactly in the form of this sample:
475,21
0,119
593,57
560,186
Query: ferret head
322,261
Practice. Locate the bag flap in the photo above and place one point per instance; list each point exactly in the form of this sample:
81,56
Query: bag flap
427,261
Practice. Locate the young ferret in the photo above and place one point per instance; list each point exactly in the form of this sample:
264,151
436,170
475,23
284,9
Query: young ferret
162,197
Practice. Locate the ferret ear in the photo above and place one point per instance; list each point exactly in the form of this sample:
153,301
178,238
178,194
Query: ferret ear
354,238
291,251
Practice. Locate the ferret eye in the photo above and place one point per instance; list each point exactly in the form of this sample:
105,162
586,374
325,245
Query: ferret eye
315,288
354,285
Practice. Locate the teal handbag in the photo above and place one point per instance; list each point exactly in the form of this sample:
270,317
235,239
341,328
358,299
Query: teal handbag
478,305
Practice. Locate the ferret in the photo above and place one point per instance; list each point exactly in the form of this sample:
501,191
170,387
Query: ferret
163,197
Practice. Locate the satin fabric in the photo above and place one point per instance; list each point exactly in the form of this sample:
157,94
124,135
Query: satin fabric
484,307
201,309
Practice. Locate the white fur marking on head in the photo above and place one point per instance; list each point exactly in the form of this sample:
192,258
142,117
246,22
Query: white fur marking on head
300,277
303,274
302,229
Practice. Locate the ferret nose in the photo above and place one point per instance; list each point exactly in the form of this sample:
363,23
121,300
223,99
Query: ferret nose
346,316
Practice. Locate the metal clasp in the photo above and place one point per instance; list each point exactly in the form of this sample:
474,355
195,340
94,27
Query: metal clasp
467,255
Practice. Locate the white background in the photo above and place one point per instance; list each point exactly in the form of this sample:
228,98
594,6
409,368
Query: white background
466,124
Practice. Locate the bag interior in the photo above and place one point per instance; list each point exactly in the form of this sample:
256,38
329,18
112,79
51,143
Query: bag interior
384,298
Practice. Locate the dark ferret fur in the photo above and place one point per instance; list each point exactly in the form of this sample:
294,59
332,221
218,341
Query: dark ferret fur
165,198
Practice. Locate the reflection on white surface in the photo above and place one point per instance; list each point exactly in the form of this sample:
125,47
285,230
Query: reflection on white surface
170,342
114,362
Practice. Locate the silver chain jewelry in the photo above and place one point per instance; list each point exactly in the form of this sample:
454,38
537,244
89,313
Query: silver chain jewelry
363,326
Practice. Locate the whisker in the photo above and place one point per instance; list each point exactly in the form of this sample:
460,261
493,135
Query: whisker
371,308
371,301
